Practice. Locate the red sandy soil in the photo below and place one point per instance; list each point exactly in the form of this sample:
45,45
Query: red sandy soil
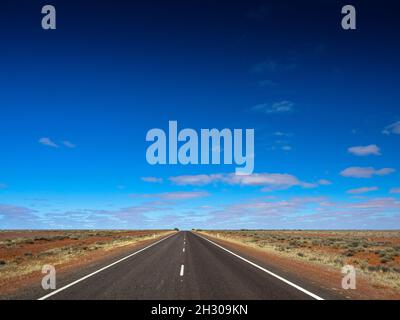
42,245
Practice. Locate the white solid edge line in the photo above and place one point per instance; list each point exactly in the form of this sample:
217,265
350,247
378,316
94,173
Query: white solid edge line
267,271
97,271
182,270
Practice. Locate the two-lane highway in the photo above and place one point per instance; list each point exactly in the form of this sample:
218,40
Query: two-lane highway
182,266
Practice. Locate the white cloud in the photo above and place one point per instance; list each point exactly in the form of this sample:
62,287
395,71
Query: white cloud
152,179
12,217
266,179
178,195
282,134
68,144
362,190
307,213
196,180
375,204
395,190
269,181
371,149
365,172
324,182
261,212
393,128
48,142
284,106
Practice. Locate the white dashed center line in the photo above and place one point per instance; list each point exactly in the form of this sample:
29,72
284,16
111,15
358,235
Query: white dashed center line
182,270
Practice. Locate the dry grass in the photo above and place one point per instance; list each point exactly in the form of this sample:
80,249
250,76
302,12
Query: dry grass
375,254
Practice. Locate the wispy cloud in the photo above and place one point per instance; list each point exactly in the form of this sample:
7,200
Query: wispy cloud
362,190
395,190
12,216
282,134
269,181
287,148
152,179
134,217
68,144
137,216
307,212
365,172
178,195
284,106
48,142
260,212
324,182
196,180
394,128
362,151
3,185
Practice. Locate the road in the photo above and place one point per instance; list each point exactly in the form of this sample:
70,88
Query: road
184,266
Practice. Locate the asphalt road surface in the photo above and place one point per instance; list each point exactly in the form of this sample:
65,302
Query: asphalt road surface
186,266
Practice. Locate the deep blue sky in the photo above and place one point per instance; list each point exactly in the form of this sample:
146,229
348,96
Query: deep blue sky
112,71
